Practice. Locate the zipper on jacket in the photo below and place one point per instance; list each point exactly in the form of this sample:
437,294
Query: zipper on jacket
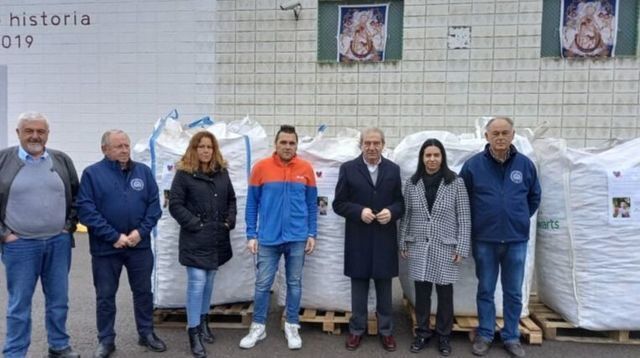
286,204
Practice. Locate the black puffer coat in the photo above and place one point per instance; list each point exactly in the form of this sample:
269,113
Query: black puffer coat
205,207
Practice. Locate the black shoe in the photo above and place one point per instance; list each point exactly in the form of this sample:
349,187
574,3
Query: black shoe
514,349
444,347
419,344
207,335
195,342
63,353
104,350
480,346
152,342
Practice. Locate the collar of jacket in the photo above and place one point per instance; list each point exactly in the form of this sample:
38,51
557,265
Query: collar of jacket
369,164
280,163
512,153
198,174
363,163
114,164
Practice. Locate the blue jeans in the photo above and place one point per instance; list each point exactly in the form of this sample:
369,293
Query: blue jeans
199,291
267,266
106,278
25,261
508,259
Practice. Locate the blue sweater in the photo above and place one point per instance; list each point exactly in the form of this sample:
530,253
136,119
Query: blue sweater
113,202
503,196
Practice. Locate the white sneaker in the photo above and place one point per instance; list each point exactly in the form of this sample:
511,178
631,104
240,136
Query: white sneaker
291,334
256,334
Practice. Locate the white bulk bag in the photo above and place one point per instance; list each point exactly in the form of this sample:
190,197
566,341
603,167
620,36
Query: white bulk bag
588,267
241,143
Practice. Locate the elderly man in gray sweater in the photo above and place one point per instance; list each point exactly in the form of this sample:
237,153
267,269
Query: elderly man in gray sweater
38,186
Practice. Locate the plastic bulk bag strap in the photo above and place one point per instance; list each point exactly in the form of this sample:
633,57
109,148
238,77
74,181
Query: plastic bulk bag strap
201,123
158,128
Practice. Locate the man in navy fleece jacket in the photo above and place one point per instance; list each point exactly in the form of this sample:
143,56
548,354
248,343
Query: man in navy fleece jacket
504,193
119,203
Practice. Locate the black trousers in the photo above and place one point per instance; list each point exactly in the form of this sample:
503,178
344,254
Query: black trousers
106,278
359,300
444,315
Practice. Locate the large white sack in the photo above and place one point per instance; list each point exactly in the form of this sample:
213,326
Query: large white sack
588,266
324,285
459,149
241,143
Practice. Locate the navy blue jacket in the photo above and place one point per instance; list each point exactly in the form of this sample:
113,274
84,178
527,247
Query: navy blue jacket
113,202
503,196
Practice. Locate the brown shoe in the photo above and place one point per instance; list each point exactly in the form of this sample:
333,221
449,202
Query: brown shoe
353,342
388,343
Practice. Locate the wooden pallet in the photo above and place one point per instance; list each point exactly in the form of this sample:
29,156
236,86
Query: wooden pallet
558,329
331,321
528,329
232,315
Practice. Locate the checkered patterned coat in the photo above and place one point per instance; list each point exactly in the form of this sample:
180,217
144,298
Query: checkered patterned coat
431,239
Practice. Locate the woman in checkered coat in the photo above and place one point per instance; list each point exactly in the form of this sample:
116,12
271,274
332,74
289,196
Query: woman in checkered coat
434,236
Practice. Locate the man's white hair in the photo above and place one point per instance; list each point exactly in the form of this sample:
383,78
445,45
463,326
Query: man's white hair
368,130
106,137
32,116
493,119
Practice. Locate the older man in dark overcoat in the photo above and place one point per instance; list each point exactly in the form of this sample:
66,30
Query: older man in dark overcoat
369,196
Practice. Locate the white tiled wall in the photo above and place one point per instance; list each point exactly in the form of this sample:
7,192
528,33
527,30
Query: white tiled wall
140,59
135,62
266,67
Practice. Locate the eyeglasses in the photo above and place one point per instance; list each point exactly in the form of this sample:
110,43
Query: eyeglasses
372,144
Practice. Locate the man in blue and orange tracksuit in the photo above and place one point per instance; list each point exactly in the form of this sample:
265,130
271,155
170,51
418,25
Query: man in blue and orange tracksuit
281,217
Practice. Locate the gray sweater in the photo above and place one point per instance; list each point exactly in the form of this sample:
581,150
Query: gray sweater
10,165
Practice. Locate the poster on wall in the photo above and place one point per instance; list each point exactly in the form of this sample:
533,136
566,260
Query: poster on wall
624,196
362,33
588,28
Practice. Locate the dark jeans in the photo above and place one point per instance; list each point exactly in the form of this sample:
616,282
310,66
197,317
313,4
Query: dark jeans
106,276
444,315
359,300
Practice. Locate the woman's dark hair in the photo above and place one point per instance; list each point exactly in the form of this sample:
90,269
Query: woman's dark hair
448,174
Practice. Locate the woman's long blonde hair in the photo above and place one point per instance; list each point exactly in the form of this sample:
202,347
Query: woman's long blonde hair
190,163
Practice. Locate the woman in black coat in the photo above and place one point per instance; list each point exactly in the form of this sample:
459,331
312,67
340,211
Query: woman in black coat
203,202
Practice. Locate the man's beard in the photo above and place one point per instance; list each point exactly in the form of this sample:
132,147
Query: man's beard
35,147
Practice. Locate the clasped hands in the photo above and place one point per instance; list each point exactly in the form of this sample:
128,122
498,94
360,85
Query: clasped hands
383,217
130,240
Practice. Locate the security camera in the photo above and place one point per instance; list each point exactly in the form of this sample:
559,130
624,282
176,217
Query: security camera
290,5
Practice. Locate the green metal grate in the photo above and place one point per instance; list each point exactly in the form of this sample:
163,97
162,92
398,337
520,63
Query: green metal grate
627,36
328,28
